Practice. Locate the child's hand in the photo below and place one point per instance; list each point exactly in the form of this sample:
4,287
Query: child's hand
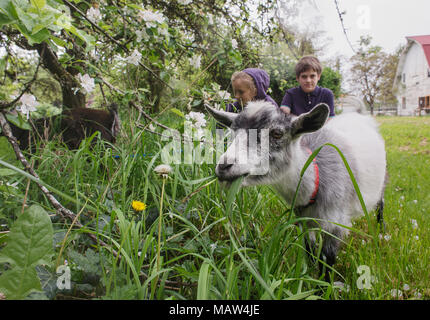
286,110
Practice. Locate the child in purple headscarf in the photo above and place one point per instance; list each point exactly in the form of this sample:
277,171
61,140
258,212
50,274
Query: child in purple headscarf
248,85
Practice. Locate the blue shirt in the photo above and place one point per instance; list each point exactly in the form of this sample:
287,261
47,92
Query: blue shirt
301,102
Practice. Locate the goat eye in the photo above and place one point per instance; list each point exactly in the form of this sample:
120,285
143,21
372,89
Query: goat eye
276,134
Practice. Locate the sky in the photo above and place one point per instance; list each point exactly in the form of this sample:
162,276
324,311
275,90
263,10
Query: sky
387,21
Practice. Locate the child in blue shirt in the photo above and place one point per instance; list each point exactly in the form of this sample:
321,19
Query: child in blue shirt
303,98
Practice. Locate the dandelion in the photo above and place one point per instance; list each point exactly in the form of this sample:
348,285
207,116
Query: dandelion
28,104
395,293
163,170
341,286
213,246
138,206
87,83
417,295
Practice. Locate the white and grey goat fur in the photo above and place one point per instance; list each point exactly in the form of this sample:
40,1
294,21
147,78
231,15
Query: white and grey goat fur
290,138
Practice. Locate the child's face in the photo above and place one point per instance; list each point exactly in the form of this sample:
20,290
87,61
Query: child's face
242,91
308,80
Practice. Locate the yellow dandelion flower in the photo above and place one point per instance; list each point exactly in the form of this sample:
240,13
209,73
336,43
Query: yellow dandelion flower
138,206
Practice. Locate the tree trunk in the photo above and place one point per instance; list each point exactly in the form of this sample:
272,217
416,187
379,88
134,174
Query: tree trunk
72,98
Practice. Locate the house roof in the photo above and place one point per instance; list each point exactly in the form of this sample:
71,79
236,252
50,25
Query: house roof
424,41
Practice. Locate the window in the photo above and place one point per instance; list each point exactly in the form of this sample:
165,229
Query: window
404,102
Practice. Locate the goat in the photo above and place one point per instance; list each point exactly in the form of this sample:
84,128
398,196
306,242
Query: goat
332,200
75,124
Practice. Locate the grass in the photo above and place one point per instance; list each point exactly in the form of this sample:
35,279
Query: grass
220,244
403,258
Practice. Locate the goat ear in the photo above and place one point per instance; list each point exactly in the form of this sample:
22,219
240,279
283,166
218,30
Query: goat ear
311,121
226,118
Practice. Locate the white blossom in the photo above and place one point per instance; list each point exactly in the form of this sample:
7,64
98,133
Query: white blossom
94,14
28,104
414,224
406,287
224,95
196,119
234,44
163,31
195,61
185,2
210,19
141,34
151,17
87,83
135,57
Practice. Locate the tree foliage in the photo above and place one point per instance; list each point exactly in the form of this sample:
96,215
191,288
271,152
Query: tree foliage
373,72
143,52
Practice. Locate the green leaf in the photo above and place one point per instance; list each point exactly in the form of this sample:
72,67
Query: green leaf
203,284
5,19
178,112
29,245
39,4
18,121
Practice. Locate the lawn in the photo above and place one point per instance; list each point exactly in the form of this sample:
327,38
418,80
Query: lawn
194,240
400,260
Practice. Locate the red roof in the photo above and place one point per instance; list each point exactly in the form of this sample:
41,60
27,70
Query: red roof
424,41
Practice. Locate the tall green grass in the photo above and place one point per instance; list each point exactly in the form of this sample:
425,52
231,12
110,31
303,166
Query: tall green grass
217,243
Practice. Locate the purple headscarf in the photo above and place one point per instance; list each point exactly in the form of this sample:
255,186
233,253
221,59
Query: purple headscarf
262,82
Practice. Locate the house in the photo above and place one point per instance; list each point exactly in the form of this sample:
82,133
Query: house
412,81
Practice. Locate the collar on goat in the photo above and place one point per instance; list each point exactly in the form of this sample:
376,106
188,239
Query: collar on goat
317,178
316,182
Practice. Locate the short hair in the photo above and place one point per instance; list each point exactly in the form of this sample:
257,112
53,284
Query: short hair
244,76
308,63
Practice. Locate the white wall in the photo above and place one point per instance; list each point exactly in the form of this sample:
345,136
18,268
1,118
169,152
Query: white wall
417,82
